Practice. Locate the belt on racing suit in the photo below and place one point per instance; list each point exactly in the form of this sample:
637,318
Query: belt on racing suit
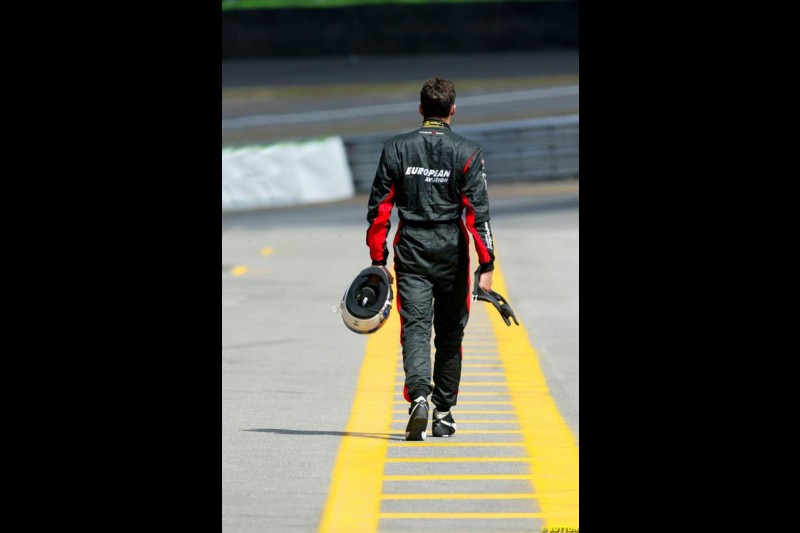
428,223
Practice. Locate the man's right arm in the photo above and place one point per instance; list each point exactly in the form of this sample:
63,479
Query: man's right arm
379,210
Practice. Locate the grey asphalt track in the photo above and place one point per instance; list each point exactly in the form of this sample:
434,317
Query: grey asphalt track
397,68
309,98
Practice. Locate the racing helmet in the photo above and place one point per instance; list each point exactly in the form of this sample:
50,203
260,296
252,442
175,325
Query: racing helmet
367,303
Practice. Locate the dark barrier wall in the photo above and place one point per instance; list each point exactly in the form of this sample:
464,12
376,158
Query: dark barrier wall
399,29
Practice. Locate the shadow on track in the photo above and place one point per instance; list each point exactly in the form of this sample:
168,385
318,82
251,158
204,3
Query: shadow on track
385,436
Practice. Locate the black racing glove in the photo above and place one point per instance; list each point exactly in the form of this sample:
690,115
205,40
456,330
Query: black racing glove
496,299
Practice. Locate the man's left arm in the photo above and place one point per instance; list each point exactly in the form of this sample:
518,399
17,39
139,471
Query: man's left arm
475,200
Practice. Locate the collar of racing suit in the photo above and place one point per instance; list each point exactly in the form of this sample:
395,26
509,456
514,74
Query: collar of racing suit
435,123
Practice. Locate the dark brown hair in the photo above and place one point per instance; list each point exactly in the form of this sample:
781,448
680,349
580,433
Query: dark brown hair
437,97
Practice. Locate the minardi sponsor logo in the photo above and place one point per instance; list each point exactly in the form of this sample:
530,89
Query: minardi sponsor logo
431,174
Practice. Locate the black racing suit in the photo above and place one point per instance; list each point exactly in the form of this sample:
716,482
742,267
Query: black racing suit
436,179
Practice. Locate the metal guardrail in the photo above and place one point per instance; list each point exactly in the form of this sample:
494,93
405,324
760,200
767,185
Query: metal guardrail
532,149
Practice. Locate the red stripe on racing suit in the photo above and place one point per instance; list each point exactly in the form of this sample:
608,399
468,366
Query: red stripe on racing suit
379,228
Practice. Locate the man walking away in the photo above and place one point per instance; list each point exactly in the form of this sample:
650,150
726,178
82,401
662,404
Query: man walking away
436,179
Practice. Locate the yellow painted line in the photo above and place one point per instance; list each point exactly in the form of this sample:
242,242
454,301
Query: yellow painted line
473,412
254,271
458,460
461,515
483,402
482,345
470,383
461,496
425,444
462,394
239,270
466,403
487,347
267,251
495,366
467,421
463,477
353,502
480,351
486,431
547,437
477,393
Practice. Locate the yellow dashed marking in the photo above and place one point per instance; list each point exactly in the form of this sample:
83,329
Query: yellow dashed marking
425,444
467,384
462,477
462,515
458,460
460,496
466,421
465,403
472,412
